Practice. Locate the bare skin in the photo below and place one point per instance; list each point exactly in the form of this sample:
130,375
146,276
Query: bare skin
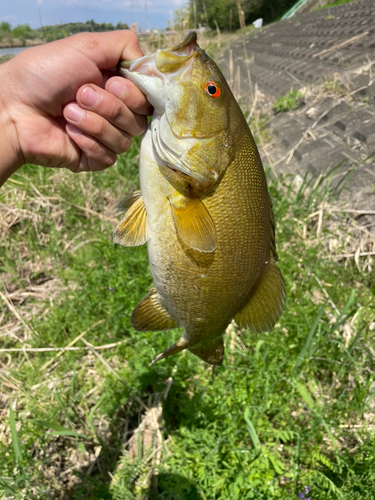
61,106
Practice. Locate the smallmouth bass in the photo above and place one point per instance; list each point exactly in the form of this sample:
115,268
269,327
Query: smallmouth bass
203,207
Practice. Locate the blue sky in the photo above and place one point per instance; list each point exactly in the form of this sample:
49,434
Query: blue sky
156,15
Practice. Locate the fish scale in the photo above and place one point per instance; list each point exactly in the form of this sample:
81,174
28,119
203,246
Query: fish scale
203,208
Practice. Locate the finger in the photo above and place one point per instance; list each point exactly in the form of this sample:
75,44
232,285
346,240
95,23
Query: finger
129,94
107,49
97,127
111,108
96,156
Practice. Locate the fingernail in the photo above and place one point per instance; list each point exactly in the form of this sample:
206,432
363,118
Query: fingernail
117,88
74,130
89,96
75,113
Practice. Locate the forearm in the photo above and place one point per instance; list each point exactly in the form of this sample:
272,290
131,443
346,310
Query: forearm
10,154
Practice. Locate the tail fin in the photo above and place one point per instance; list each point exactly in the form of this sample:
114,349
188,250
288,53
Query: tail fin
213,353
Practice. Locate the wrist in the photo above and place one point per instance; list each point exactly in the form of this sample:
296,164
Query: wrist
11,158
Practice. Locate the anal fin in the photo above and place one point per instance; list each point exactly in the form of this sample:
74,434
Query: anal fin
193,223
212,353
150,316
132,230
179,346
265,306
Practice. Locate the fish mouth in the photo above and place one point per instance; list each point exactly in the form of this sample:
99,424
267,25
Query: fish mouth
166,61
153,74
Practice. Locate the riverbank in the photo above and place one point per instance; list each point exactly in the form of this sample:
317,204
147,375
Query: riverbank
8,43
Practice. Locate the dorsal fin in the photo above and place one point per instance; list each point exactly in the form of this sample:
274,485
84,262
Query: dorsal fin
272,235
266,304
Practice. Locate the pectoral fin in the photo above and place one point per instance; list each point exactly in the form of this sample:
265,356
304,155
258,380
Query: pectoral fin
266,304
132,230
128,200
150,316
193,223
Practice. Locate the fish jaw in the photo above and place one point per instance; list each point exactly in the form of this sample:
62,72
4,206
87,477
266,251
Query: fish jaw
156,74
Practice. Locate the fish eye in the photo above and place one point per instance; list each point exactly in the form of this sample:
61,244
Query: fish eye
213,89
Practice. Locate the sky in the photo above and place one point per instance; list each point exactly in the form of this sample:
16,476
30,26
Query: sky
149,13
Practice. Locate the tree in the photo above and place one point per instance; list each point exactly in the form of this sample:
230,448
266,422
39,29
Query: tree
233,14
5,27
241,14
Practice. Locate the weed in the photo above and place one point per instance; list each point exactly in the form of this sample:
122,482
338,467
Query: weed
288,102
284,411
333,4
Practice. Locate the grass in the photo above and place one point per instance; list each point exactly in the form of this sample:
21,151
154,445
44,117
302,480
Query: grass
288,410
333,4
291,100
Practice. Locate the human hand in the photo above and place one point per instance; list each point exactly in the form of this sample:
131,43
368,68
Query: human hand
48,109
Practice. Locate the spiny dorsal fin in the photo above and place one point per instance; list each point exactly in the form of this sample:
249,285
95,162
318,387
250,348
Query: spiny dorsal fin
132,230
266,304
193,223
150,316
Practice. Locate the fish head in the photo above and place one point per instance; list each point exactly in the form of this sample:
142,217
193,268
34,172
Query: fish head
192,103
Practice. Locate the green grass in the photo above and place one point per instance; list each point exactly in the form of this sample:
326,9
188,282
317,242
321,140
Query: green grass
333,4
288,102
288,409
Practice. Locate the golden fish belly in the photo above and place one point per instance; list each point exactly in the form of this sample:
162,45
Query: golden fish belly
203,291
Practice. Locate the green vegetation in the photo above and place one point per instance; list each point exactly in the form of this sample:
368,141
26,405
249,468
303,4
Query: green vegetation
23,33
287,410
225,12
288,102
5,58
333,4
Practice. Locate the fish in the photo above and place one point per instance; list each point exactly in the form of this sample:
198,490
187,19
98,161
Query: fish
203,207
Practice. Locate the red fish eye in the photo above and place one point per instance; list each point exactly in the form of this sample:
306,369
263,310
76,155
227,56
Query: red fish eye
213,89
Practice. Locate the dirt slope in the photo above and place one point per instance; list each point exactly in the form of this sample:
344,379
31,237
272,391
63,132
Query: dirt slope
330,56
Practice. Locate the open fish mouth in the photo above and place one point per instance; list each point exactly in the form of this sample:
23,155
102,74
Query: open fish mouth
153,74
166,61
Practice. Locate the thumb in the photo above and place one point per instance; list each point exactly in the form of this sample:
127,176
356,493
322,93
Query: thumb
107,49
